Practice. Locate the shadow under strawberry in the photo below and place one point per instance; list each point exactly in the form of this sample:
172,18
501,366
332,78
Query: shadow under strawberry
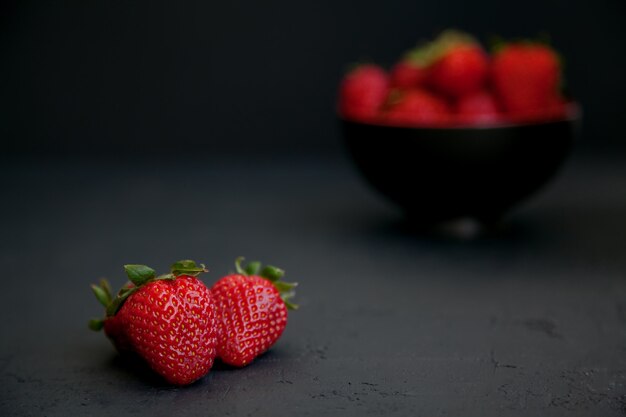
259,361
131,365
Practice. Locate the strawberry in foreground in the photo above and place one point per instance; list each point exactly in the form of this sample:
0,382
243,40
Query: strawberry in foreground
526,77
252,309
169,320
363,92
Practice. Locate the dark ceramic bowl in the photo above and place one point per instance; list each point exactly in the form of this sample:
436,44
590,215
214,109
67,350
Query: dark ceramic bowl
480,172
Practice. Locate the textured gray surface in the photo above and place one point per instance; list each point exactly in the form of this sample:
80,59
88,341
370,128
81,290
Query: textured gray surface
527,321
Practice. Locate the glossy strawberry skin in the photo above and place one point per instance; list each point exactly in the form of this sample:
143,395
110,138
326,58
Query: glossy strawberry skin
172,325
363,92
526,78
418,108
251,315
462,70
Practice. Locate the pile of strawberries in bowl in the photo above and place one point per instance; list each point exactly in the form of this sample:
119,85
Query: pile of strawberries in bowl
454,132
452,81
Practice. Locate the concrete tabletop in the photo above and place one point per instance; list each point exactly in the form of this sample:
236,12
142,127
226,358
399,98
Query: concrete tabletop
526,320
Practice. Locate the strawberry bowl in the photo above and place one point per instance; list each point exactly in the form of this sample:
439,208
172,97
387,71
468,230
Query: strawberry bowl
452,130
443,173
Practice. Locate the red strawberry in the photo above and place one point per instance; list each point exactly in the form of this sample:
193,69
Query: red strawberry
362,92
555,109
406,75
252,310
526,78
461,70
418,108
480,107
169,320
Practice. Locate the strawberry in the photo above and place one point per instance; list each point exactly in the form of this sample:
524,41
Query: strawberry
406,75
168,320
417,108
252,309
362,92
555,109
526,78
478,108
461,70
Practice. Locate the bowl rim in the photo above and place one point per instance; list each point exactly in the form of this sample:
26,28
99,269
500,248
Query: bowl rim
573,114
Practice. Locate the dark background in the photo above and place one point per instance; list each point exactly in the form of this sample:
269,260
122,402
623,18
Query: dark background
528,319
245,76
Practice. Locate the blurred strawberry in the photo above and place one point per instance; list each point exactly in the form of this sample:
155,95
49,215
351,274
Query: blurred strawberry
480,108
461,70
406,75
363,91
526,77
418,107
557,108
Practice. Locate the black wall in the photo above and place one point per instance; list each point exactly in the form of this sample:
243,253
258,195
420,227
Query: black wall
248,76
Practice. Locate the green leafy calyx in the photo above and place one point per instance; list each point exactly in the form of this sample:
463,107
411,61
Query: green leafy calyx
139,276
272,274
188,267
427,53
